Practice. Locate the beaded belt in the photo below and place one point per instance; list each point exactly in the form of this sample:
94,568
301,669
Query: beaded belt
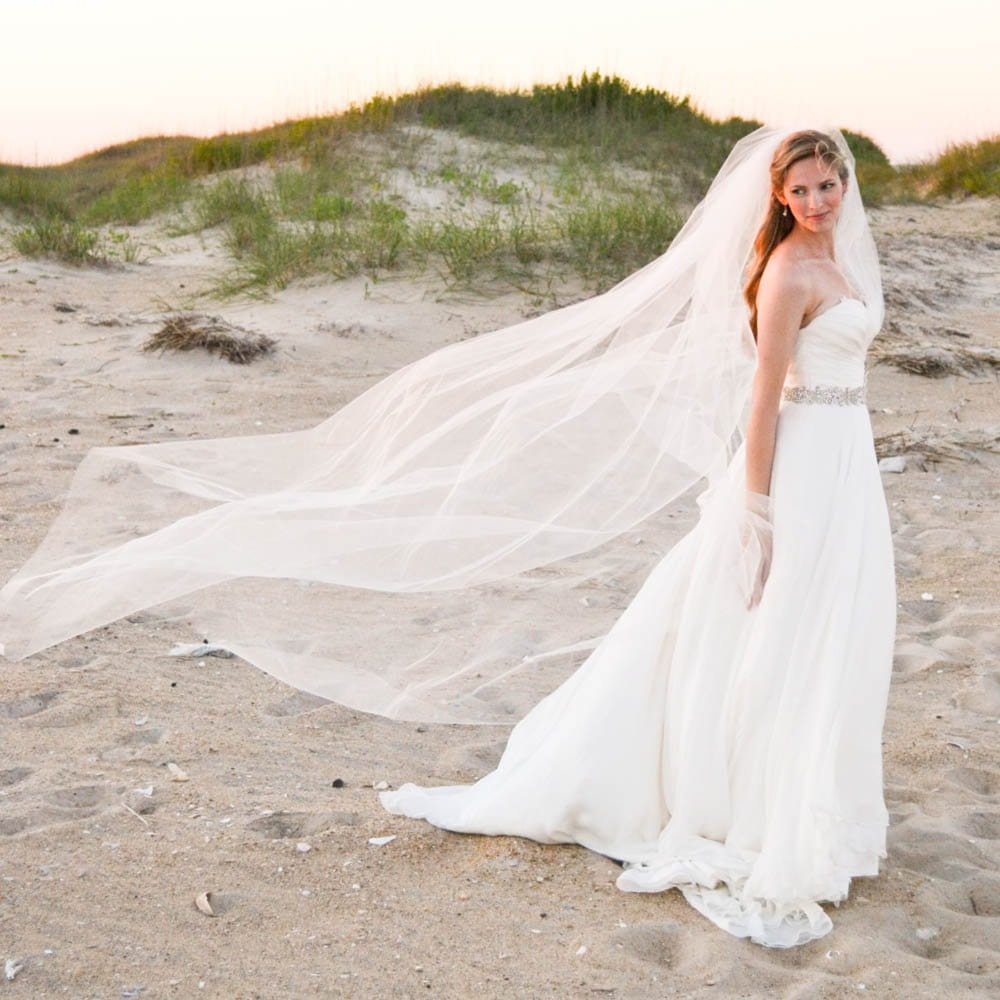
839,394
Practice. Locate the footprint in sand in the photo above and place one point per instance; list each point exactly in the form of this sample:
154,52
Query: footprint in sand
972,624
905,803
691,959
660,944
83,798
929,852
975,896
978,781
932,541
75,661
13,775
984,895
945,926
11,825
955,937
946,947
21,708
141,737
470,761
906,555
957,647
928,612
288,825
983,698
295,704
907,566
929,635
60,806
983,825
914,657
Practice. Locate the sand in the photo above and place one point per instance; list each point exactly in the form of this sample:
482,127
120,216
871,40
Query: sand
104,846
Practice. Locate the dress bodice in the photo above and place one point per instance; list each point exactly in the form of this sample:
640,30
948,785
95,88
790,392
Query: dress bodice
831,348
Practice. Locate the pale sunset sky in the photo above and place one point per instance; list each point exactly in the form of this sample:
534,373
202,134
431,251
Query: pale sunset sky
77,76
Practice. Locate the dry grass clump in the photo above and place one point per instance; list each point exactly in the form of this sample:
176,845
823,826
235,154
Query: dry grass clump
939,446
933,361
212,334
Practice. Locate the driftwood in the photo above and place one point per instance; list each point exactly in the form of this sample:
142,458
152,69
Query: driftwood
212,334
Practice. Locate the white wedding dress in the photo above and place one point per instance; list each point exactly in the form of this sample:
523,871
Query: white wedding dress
732,753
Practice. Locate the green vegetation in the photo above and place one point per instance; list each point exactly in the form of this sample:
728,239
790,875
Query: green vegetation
55,237
876,175
75,244
599,117
590,177
971,168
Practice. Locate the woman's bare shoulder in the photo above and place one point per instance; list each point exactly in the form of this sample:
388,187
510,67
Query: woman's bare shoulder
785,290
785,274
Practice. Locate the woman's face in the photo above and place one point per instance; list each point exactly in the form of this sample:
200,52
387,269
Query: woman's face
813,193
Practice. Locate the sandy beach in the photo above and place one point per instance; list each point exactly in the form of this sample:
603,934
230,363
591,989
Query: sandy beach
133,782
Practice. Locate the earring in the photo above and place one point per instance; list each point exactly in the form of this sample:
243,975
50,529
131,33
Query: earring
784,213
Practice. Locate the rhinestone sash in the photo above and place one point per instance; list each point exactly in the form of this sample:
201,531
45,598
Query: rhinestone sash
840,394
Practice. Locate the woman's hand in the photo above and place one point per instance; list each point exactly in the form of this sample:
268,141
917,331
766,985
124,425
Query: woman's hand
756,535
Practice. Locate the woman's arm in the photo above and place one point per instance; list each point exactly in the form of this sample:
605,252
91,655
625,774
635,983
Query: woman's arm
781,303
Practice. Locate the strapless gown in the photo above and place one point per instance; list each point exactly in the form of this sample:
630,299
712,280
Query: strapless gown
732,753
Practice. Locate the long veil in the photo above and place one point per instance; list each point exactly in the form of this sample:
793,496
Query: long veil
419,553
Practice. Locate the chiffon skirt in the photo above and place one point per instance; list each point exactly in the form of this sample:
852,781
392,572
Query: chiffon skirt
731,752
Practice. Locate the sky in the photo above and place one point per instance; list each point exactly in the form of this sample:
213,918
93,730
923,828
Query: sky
77,76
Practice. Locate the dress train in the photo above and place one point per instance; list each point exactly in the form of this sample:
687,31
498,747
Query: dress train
733,753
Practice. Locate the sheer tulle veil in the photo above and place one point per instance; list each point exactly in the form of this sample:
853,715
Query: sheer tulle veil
419,553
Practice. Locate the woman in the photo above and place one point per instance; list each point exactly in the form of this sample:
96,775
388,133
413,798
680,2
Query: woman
734,752
419,554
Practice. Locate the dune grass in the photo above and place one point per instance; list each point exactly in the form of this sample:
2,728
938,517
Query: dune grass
971,168
599,238
589,177
74,243
57,238
269,251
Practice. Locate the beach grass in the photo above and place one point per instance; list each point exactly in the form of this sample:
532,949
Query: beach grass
73,243
590,177
57,238
971,168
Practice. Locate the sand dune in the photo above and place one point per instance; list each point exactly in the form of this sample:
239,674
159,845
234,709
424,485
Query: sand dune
104,846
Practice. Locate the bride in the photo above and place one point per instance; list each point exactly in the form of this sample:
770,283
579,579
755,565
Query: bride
733,750
724,735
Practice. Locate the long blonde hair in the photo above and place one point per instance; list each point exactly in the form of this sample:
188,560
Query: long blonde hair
776,226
